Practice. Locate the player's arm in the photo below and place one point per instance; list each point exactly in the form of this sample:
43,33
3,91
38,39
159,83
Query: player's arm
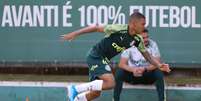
156,54
123,64
89,29
152,67
150,58
153,61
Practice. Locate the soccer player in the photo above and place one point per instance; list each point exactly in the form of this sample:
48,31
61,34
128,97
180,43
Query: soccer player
134,69
117,39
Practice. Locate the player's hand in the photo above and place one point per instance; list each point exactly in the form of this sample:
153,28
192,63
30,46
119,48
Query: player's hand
68,37
165,68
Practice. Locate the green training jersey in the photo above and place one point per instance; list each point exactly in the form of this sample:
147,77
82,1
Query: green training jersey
116,40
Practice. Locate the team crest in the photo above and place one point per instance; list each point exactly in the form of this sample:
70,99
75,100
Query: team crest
107,67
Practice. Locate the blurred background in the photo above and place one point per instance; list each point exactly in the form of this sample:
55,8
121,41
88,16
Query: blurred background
31,48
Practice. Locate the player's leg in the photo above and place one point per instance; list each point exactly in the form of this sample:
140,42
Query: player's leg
100,76
81,97
108,83
160,85
118,86
120,77
87,96
74,90
94,85
92,95
156,77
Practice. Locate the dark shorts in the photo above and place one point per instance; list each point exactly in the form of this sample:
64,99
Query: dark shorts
146,78
97,65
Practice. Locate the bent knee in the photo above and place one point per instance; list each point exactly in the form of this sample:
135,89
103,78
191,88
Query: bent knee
92,95
159,74
108,82
112,84
96,93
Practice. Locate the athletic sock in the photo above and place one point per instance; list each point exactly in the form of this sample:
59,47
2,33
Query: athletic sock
81,97
91,86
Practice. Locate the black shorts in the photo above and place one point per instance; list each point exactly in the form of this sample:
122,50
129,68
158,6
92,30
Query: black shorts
97,65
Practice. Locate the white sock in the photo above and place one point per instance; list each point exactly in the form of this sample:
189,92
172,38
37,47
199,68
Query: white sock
81,97
91,86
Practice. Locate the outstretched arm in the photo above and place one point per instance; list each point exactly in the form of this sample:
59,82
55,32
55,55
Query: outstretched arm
153,61
148,57
123,64
151,67
89,29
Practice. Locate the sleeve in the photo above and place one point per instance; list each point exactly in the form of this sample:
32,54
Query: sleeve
112,28
125,54
140,43
156,52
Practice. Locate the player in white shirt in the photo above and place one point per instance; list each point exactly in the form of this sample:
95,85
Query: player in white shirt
134,69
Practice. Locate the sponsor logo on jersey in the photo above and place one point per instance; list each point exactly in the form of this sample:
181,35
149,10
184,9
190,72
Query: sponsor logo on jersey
118,48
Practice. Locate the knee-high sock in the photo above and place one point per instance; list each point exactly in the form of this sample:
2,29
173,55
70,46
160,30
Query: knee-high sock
81,97
91,86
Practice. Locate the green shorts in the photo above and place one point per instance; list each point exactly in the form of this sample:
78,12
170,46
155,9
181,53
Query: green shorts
97,66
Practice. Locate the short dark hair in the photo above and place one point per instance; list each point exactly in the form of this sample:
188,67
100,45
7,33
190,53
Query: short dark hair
136,15
146,31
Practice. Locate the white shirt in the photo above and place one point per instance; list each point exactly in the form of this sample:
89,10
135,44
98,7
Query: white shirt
136,59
